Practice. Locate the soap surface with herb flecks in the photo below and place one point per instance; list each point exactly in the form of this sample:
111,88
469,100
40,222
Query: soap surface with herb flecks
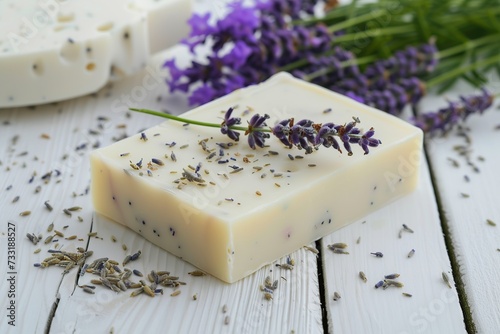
248,207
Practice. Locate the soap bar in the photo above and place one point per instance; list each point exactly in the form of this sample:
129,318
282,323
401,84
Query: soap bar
52,50
253,206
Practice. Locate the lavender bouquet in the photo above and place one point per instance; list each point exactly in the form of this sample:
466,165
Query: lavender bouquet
384,54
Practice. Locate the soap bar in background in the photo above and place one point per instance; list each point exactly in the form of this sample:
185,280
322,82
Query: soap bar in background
253,206
54,50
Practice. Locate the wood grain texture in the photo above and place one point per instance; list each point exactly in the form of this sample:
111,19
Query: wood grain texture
433,307
55,139
468,199
295,305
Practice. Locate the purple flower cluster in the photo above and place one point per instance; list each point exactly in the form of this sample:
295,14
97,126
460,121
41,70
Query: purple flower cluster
445,118
228,122
248,46
389,84
256,137
305,134
252,43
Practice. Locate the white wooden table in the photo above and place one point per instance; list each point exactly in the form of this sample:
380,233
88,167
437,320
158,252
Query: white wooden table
448,214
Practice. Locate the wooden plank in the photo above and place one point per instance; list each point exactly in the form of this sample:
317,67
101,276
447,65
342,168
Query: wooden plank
433,307
468,199
295,305
21,176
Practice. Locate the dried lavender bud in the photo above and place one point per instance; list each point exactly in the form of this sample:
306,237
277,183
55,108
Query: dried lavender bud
255,137
391,276
227,123
445,119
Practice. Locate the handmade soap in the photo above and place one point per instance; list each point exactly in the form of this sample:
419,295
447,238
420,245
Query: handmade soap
53,49
249,207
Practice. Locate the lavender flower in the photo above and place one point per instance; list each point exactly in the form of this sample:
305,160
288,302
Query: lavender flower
445,118
368,140
405,63
227,123
202,94
248,46
282,131
326,136
291,8
306,134
391,84
255,136
302,134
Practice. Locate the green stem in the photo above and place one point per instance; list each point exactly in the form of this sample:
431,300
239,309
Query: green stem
356,20
358,61
195,122
375,33
461,70
176,118
469,45
294,65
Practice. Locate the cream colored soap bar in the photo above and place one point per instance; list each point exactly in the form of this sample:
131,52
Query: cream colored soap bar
52,50
239,220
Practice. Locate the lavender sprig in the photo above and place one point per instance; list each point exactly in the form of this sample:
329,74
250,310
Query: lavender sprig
305,134
444,119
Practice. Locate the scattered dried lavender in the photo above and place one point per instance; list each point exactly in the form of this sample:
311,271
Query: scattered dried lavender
338,248
336,296
389,281
446,279
269,287
289,265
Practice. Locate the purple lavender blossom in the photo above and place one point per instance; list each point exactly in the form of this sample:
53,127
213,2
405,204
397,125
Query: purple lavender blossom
239,24
248,45
326,136
280,9
405,63
282,131
302,133
308,135
228,122
391,84
368,140
238,55
200,25
348,134
202,94
256,137
446,118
